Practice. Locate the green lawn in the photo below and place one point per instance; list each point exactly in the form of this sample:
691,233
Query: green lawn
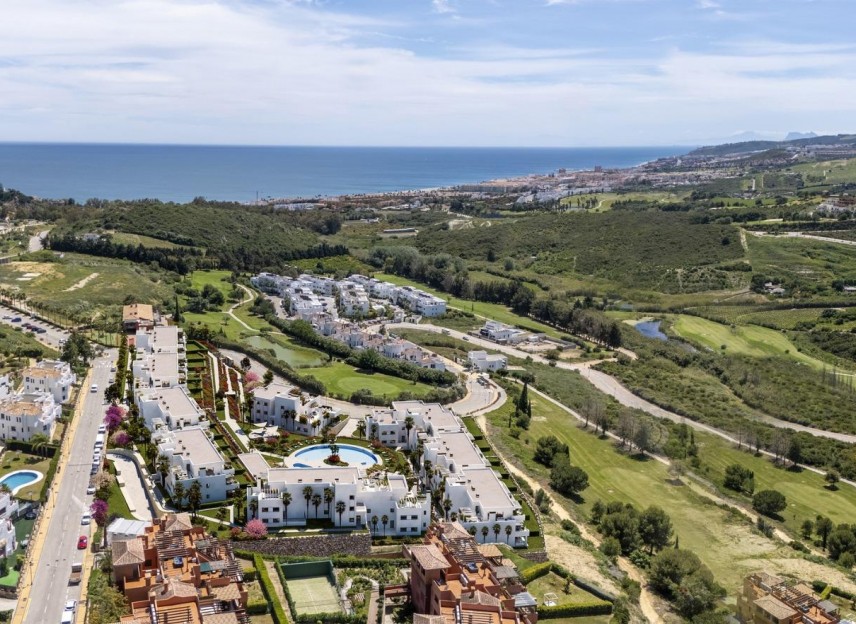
11,578
742,339
16,460
724,542
805,492
553,583
493,311
343,379
116,501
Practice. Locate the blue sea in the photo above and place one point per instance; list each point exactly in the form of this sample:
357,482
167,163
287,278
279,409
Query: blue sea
229,173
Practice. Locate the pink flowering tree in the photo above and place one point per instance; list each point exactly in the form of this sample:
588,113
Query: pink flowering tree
255,529
251,380
113,417
100,511
121,439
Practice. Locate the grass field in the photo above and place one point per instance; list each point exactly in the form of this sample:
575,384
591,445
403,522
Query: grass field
493,311
79,282
13,340
751,340
313,594
342,379
138,239
725,542
804,490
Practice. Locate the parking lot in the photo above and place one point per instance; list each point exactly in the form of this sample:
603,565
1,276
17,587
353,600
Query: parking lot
44,332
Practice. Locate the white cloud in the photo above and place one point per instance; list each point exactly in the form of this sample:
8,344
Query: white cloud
212,71
442,6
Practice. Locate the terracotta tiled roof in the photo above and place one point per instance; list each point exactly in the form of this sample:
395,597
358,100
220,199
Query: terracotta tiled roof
128,552
172,588
490,550
178,522
420,618
481,598
429,557
775,607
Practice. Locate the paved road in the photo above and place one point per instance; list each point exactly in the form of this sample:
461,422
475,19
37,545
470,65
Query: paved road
611,386
823,239
50,588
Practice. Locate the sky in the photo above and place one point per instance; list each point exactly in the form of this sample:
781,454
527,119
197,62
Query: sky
557,73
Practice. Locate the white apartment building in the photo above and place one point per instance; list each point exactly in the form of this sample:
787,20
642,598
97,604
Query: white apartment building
502,333
161,339
479,497
421,302
159,370
51,376
8,540
172,408
481,500
482,361
194,457
353,299
285,406
24,415
365,498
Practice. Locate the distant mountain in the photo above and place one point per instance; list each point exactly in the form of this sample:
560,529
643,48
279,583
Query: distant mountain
793,136
747,147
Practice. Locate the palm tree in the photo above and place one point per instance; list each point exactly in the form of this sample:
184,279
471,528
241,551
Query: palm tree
508,531
178,494
496,530
472,531
307,494
408,425
328,498
447,505
454,516
374,524
194,497
163,464
384,521
428,466
316,502
286,501
221,514
39,442
484,533
340,509
361,429
254,508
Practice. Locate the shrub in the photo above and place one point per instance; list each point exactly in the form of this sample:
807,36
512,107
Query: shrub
537,571
769,502
600,607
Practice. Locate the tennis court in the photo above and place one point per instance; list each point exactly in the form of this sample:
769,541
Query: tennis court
315,593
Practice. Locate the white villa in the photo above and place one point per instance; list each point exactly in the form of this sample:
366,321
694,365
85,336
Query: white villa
160,360
502,333
50,376
172,408
479,497
365,498
194,457
482,361
288,407
26,414
8,541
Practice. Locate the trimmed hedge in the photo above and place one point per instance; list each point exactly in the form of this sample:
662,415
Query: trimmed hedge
537,571
821,587
257,608
575,610
251,575
267,589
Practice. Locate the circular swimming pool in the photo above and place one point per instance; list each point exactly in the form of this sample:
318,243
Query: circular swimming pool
20,478
314,456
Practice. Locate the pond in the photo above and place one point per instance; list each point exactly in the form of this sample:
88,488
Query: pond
314,456
296,356
651,329
20,478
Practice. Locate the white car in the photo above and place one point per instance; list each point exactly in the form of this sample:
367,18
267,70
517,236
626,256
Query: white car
71,605
90,490
94,388
102,429
86,518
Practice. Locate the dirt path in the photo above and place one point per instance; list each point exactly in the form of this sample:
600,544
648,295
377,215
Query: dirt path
646,599
80,284
231,310
277,585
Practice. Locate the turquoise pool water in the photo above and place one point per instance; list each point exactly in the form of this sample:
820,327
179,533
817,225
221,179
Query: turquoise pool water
18,479
314,456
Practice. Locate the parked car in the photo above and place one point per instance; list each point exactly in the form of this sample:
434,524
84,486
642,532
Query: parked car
90,490
82,543
17,319
86,518
94,388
